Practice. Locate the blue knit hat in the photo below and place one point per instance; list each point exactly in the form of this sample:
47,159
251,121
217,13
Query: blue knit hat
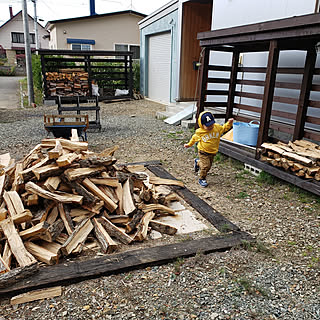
207,119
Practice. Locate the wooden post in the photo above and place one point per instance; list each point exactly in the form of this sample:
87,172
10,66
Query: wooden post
43,71
305,93
203,82
232,85
130,77
268,92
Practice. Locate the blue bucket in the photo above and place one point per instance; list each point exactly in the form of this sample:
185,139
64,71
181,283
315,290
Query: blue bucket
246,133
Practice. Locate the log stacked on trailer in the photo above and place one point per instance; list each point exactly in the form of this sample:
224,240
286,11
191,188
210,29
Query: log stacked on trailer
300,157
67,83
56,204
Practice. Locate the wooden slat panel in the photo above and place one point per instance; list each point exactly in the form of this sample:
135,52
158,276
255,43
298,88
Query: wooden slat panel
219,68
216,92
212,104
312,135
286,100
284,85
218,80
279,70
314,104
313,120
247,107
315,87
249,95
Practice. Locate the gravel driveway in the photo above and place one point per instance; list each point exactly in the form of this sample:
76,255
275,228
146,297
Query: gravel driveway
276,278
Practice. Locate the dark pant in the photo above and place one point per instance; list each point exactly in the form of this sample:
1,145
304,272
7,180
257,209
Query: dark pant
205,163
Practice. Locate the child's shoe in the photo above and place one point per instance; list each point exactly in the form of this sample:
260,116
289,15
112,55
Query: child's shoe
196,165
203,183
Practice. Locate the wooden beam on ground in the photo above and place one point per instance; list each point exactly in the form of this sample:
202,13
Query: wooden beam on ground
121,262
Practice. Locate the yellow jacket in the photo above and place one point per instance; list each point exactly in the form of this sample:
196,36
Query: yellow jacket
208,140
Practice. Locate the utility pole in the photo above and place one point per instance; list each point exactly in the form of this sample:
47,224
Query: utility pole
27,52
35,18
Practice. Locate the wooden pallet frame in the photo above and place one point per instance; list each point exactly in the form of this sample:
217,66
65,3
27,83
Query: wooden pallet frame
71,272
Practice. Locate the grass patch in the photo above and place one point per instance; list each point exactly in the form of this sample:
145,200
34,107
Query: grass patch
248,286
242,195
265,177
38,95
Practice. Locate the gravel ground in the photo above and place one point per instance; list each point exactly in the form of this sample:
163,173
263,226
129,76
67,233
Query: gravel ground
275,278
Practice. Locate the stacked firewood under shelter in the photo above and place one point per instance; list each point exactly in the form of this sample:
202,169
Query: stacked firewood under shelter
68,83
300,157
62,198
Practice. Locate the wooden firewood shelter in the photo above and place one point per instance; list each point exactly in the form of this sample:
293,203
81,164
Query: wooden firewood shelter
301,33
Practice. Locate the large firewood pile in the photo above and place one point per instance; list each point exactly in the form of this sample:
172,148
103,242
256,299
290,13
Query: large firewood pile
300,157
67,83
62,198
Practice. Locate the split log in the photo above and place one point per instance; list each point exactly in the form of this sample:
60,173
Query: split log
169,182
59,197
23,257
52,183
106,243
67,144
114,231
57,151
77,212
7,254
47,171
3,266
272,147
108,152
40,230
31,156
3,214
55,230
36,295
27,174
127,200
162,227
156,207
54,247
109,181
295,157
4,161
65,216
74,135
142,228
78,236
81,173
134,221
41,253
88,198
67,159
109,204
32,200
17,181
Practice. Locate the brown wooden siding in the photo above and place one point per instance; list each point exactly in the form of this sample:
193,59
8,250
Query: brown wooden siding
196,18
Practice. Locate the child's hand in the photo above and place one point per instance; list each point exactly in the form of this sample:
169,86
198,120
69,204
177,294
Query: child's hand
186,145
230,120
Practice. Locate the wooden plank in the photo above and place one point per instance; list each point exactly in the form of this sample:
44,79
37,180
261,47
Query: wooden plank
213,216
36,295
23,257
268,92
305,93
233,83
203,82
122,262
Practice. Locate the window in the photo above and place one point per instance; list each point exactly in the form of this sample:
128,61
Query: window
128,47
80,46
18,37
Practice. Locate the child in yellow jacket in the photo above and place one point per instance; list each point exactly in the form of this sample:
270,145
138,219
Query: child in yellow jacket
208,138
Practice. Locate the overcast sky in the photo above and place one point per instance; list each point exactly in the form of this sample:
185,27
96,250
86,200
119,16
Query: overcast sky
62,9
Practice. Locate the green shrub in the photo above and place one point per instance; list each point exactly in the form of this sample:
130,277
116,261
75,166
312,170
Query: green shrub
136,76
36,71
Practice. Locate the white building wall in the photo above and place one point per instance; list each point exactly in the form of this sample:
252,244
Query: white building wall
16,25
232,13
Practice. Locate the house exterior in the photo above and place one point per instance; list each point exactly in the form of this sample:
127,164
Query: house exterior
170,50
111,31
12,38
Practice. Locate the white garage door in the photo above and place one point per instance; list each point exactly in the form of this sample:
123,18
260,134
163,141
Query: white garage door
159,67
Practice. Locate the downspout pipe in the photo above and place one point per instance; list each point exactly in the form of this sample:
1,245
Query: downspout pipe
92,8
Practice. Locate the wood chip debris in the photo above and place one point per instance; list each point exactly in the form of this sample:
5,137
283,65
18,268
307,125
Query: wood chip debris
62,198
